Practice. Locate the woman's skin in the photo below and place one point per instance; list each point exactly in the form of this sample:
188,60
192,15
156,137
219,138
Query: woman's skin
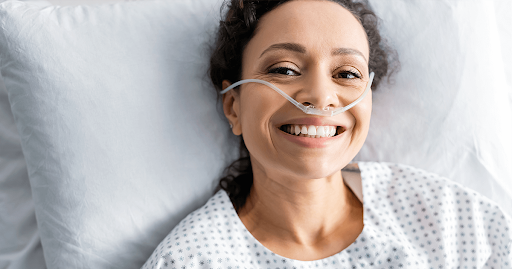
299,206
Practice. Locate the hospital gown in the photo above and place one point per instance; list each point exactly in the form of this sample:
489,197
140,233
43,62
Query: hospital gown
412,219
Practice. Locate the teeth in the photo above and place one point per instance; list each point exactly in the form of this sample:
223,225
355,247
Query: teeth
321,131
310,130
304,130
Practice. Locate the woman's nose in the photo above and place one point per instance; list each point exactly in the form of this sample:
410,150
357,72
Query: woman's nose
320,91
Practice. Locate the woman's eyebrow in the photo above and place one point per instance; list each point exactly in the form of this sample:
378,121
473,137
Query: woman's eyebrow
344,51
301,49
285,46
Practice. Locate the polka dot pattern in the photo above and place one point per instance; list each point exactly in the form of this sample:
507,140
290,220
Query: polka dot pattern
413,219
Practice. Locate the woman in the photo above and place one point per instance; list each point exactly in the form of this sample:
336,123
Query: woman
286,202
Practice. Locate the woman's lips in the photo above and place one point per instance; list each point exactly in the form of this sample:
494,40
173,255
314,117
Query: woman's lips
307,131
311,141
316,121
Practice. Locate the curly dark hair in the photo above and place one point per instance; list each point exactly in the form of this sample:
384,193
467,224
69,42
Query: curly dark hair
235,31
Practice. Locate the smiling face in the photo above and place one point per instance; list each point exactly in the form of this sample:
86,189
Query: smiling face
317,52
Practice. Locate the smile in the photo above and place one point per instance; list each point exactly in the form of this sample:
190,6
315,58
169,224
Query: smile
312,131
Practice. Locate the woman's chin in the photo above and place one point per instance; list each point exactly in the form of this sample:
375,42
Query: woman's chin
313,170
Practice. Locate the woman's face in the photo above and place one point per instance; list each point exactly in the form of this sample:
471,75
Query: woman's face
317,52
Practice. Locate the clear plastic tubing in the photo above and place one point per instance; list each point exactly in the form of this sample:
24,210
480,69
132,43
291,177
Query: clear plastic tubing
307,109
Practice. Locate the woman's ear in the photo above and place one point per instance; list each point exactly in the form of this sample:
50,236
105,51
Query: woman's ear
231,105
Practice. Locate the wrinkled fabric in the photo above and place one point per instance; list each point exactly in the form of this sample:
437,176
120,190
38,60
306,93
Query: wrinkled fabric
102,99
20,245
412,219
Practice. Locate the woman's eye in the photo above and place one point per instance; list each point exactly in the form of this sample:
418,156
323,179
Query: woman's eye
348,75
283,71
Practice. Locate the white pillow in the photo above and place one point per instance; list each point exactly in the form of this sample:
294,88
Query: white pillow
98,94
119,125
450,108
20,245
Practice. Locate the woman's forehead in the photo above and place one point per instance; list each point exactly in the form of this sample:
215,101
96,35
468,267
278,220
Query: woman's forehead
320,26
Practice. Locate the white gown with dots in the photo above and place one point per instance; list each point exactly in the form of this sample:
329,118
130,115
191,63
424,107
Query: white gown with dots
412,219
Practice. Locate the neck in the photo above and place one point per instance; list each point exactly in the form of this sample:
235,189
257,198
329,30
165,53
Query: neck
305,212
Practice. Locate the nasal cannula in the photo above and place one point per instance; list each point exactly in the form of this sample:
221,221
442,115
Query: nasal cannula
307,109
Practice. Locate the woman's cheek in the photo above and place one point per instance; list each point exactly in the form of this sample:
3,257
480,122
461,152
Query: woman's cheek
361,114
253,119
363,110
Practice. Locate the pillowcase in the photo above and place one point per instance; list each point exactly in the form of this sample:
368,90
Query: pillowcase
449,109
123,136
20,245
119,125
